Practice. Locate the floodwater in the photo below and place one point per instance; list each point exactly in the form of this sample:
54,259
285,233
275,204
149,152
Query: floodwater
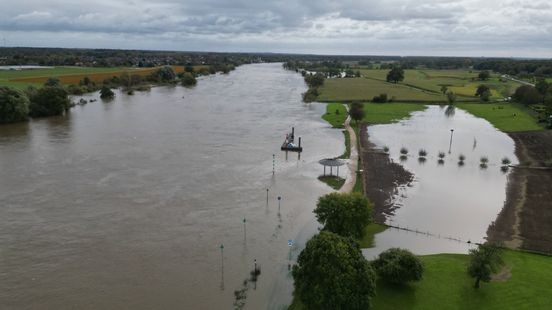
125,204
447,203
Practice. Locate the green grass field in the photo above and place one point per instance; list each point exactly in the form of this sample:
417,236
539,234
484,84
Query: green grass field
332,181
364,89
446,285
462,82
501,115
386,113
336,114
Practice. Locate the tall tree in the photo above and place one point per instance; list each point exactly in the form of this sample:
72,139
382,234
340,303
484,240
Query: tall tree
14,105
357,112
344,214
483,92
332,273
484,75
451,97
395,75
484,261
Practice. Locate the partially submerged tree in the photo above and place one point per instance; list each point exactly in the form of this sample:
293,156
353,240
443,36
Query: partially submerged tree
395,75
106,93
344,214
49,101
188,79
484,261
451,97
398,266
332,273
14,105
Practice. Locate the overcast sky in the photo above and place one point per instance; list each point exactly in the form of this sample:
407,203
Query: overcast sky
518,28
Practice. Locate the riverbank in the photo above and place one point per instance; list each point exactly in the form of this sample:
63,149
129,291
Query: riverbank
526,219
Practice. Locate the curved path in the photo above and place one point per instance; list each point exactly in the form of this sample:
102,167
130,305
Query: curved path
353,159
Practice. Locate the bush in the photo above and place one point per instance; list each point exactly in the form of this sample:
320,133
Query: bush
398,266
344,214
14,105
106,93
404,150
49,101
188,79
422,153
382,98
310,95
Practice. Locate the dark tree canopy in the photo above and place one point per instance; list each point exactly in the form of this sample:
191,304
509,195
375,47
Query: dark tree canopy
484,75
484,261
483,92
527,94
332,273
344,214
395,75
49,101
52,82
14,105
357,112
542,86
451,97
164,74
106,93
398,266
315,80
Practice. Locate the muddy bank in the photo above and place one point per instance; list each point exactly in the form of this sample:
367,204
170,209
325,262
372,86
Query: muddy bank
381,176
526,219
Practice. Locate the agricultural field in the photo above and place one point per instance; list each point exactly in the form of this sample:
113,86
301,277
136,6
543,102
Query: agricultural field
523,284
462,82
20,79
364,89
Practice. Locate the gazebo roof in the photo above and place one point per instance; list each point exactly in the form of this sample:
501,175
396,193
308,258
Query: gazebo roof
333,162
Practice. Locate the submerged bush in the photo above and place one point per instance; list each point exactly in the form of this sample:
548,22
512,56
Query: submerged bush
441,155
506,161
461,157
422,153
386,149
484,160
404,150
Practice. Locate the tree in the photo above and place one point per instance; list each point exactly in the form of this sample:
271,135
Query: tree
332,273
444,89
483,92
484,75
395,75
49,101
527,94
310,95
344,214
451,97
357,111
484,261
106,93
398,266
188,79
14,105
164,74
315,80
542,87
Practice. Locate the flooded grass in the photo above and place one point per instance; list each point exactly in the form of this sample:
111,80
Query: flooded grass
387,113
332,181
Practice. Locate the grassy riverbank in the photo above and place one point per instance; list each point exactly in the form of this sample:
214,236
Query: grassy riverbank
524,284
506,117
336,114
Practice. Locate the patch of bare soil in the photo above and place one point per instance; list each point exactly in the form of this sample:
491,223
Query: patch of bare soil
526,219
382,177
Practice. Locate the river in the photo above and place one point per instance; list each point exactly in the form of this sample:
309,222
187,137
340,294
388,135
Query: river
125,204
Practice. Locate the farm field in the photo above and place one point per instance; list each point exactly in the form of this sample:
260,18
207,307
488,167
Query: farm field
364,89
505,117
462,82
386,113
20,79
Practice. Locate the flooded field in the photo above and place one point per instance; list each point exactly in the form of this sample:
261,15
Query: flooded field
125,204
447,199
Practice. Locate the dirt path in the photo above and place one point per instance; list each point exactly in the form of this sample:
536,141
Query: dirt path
526,219
382,177
352,164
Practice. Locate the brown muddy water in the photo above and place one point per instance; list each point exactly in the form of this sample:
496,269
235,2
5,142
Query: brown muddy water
124,204
445,200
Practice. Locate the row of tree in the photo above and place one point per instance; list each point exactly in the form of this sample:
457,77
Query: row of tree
17,106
